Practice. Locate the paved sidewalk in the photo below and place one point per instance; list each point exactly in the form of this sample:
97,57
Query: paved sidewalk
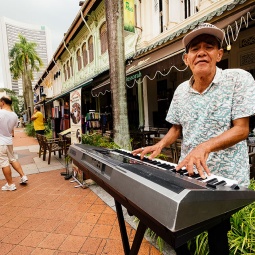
50,216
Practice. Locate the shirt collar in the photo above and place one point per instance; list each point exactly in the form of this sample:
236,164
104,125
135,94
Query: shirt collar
215,81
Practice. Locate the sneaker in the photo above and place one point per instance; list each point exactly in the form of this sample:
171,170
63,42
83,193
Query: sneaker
23,179
9,187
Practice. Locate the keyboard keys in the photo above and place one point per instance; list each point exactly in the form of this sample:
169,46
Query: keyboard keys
212,181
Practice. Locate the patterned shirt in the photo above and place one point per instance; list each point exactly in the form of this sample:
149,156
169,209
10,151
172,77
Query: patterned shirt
230,96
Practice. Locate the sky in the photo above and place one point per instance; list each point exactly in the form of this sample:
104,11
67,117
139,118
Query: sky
56,15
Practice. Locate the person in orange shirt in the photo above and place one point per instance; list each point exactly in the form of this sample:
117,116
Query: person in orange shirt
37,117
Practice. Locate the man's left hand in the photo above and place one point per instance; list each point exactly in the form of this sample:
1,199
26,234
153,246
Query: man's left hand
196,158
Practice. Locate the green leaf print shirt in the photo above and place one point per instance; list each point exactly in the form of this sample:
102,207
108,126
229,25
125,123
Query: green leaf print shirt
230,96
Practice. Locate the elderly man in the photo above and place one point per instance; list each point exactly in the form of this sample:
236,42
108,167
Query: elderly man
211,111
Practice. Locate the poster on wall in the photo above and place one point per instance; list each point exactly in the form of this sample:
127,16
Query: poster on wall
129,16
75,121
75,116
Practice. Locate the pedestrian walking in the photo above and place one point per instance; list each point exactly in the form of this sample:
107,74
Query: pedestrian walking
9,121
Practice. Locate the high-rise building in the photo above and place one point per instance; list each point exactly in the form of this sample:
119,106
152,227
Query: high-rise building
9,31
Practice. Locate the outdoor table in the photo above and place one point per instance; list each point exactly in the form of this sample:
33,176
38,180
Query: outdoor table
143,136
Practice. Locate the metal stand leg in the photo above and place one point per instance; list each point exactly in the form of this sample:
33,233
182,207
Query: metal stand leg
123,230
76,180
138,236
67,174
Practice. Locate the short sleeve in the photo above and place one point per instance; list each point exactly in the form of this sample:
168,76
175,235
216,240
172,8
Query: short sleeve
244,95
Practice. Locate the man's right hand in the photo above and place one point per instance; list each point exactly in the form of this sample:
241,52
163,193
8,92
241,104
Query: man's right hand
154,150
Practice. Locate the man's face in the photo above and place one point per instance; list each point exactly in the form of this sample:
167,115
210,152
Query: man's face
203,54
1,104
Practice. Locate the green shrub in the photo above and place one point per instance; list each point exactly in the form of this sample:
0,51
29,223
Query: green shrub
98,140
30,131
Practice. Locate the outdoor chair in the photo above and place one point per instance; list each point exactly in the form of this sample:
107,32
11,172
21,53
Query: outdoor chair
49,145
40,140
167,151
64,142
176,147
52,145
162,131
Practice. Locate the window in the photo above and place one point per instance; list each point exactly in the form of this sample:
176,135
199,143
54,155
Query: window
71,65
84,55
161,16
91,49
190,8
103,38
65,72
78,57
68,69
187,8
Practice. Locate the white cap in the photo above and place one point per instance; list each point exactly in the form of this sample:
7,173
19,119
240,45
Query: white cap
204,28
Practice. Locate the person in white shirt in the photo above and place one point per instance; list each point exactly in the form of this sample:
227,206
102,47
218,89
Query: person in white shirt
8,120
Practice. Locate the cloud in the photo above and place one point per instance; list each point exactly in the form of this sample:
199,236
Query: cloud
56,15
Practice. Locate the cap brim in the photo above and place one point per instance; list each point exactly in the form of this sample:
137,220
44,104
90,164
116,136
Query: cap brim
210,31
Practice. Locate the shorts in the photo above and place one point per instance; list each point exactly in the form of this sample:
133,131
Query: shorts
6,155
40,132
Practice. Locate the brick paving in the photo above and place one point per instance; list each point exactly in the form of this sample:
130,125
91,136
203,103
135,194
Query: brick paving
50,216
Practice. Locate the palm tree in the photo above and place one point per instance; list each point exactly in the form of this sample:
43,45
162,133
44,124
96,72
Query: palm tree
25,60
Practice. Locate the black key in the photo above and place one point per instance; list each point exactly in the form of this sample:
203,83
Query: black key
211,181
164,165
156,163
195,176
182,171
168,167
235,187
221,183
201,179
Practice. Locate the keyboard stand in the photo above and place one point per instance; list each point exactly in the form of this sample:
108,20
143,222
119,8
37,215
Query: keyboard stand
123,231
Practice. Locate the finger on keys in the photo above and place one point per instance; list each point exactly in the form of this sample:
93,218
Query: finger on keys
200,170
153,155
137,151
141,151
180,165
206,169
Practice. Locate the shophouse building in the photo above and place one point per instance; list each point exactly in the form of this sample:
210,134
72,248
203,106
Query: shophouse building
154,57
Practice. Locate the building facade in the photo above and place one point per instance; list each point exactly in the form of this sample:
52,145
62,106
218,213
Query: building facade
9,30
154,54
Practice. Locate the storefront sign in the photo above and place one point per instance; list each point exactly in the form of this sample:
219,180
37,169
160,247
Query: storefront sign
134,76
129,15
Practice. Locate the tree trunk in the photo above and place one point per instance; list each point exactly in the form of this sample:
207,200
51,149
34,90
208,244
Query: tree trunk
30,93
115,34
26,95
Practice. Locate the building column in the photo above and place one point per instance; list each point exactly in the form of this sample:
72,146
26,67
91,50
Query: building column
140,102
145,102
